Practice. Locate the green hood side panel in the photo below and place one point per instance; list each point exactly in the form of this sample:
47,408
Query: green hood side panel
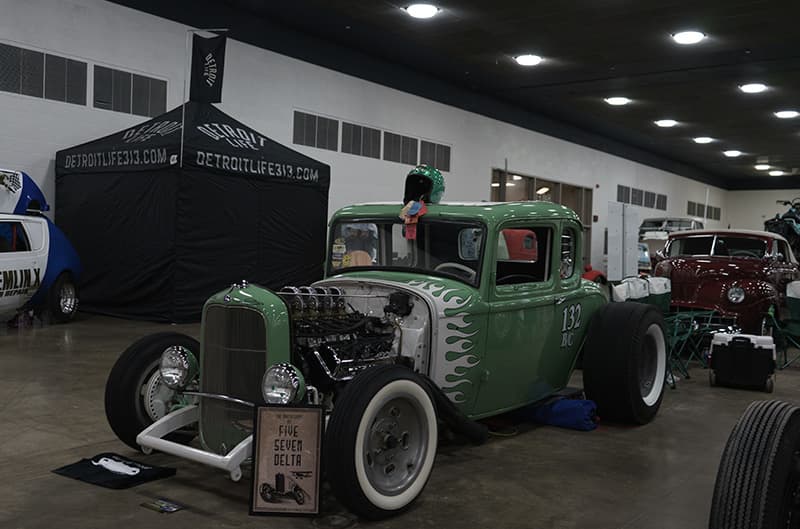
459,342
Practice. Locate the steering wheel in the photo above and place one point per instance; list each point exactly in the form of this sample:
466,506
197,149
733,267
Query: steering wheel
745,253
470,273
515,279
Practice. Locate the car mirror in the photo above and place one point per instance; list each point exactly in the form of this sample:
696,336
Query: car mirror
469,243
660,255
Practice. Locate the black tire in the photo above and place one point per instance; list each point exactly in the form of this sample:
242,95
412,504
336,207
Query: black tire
299,496
370,403
266,492
624,364
62,299
759,474
125,404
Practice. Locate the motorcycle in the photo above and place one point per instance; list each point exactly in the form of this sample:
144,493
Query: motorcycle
788,224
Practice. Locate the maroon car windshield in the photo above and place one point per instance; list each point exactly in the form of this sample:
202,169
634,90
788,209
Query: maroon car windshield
718,245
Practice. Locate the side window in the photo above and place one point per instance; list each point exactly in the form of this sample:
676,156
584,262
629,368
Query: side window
784,253
523,255
568,253
13,238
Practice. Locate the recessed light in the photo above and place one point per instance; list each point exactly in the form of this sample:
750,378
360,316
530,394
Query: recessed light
732,153
666,122
786,114
528,60
703,139
510,184
516,177
688,37
422,10
617,101
776,172
752,88
542,190
495,184
762,166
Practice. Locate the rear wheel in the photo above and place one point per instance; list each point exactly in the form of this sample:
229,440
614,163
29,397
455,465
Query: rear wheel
625,362
135,395
381,442
62,298
758,481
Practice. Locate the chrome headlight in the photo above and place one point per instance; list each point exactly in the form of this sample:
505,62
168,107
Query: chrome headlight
283,384
736,294
178,367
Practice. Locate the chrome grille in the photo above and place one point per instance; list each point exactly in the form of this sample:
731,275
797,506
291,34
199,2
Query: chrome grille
233,360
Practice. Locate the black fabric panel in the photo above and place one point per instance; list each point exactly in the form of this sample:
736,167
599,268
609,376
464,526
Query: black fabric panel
233,229
122,226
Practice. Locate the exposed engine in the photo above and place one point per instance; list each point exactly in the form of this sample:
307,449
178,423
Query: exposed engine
332,341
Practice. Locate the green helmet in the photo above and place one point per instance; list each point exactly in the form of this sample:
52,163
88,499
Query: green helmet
424,182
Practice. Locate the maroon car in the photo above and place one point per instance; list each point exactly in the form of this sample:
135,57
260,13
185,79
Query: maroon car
737,273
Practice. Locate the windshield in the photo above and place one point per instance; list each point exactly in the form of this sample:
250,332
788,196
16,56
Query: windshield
651,224
720,245
450,248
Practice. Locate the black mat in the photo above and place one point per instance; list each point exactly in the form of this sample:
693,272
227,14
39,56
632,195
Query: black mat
114,471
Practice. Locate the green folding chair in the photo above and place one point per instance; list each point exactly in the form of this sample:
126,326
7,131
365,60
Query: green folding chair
786,331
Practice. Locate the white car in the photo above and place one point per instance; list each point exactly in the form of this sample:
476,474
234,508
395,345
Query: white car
39,268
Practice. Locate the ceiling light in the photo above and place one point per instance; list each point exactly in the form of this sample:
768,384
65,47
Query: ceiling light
528,60
666,122
495,184
688,37
776,172
703,139
516,177
762,166
542,190
422,10
752,88
617,101
510,184
786,114
732,153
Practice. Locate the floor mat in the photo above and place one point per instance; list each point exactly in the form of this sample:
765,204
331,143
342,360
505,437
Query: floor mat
114,471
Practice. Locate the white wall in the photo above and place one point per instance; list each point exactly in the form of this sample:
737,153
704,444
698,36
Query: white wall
262,89
749,209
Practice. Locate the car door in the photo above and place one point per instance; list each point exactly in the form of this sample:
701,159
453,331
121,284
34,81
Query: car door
21,255
784,267
521,318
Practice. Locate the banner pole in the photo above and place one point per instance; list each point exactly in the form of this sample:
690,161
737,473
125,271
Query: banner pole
186,60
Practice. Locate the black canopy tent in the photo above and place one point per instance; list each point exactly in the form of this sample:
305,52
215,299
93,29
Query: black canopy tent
156,239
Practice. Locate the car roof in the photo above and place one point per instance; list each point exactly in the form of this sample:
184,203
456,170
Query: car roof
490,212
752,233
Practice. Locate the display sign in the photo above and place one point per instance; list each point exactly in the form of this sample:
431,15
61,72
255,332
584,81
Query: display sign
287,451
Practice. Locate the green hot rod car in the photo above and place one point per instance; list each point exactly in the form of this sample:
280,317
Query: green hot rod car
413,329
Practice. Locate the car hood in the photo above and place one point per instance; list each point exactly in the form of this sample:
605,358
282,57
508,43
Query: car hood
693,269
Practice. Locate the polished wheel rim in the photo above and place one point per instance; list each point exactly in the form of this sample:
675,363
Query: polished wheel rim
156,398
396,446
67,300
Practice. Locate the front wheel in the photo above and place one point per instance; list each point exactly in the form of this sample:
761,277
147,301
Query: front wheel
135,395
381,442
625,362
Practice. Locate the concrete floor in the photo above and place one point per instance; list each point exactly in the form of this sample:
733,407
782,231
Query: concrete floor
51,413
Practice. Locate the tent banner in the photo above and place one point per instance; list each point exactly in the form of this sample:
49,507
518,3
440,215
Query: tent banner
222,146
208,67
